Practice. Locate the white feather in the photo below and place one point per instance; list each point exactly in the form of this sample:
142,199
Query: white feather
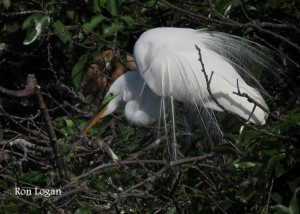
170,73
160,54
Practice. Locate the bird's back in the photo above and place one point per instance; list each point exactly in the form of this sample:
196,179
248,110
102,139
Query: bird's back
169,62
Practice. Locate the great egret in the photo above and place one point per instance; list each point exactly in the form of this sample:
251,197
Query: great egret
169,71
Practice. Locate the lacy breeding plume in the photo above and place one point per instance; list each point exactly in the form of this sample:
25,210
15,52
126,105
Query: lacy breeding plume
170,72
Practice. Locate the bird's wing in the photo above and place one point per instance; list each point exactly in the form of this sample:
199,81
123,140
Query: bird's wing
170,66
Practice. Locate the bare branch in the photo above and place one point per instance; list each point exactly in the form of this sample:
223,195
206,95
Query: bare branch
32,88
28,91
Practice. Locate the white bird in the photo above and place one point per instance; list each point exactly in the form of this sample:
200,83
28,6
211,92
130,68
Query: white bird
170,71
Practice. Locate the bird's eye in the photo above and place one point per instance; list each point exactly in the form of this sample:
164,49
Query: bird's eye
108,98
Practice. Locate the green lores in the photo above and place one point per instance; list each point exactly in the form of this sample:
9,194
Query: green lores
109,97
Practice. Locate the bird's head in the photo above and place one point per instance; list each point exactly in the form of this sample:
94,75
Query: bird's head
108,106
121,91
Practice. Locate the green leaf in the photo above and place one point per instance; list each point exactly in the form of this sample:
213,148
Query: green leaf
294,205
279,169
6,4
97,4
250,135
245,164
77,71
30,37
274,3
108,98
70,14
84,209
231,5
64,131
69,123
277,198
230,137
128,19
274,159
34,26
225,149
272,150
34,176
31,20
294,117
110,30
63,148
3,185
245,195
92,24
294,183
61,31
227,9
250,7
280,209
112,6
11,209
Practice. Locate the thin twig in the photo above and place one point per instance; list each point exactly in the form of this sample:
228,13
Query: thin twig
234,115
269,196
52,134
149,147
251,100
130,162
32,88
26,144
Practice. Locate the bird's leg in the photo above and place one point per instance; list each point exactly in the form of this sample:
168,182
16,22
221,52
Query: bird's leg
187,130
174,145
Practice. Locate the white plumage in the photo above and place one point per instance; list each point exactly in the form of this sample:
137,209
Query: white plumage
169,63
169,71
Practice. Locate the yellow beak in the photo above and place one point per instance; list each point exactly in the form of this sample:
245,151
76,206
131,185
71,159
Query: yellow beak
95,119
101,112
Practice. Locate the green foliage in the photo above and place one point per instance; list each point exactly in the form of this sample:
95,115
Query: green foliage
91,25
61,31
84,208
34,26
294,205
77,71
6,4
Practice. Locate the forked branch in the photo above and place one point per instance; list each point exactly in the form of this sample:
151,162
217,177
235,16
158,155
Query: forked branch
251,100
32,88
208,81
